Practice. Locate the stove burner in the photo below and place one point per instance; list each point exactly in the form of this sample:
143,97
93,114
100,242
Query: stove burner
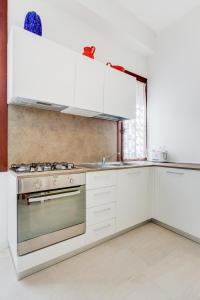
47,167
62,166
41,167
21,168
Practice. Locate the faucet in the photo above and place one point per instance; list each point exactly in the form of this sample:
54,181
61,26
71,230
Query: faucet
104,158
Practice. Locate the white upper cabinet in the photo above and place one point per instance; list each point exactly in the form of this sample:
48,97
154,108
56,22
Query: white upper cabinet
119,94
89,84
47,75
40,70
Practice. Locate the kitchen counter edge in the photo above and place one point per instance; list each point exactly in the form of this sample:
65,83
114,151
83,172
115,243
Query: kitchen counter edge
86,170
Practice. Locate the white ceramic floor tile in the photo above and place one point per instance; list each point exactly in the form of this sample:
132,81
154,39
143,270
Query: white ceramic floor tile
147,263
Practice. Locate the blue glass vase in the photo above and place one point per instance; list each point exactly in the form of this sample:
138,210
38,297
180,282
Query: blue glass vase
33,23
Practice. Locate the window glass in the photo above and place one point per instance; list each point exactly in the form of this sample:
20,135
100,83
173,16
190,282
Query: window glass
134,131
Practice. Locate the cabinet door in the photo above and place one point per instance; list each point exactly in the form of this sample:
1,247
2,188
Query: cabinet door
119,94
89,84
40,70
133,197
99,231
98,214
177,199
100,179
100,196
169,194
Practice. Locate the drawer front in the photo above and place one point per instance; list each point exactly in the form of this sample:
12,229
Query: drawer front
100,196
100,213
99,231
95,180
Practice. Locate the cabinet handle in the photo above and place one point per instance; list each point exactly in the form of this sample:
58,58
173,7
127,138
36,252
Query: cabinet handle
134,173
102,193
175,173
101,176
51,197
102,210
103,227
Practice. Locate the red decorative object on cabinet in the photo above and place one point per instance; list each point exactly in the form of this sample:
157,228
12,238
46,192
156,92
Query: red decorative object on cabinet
89,51
120,68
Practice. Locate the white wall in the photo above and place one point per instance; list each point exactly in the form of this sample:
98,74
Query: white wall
71,30
3,210
130,29
174,91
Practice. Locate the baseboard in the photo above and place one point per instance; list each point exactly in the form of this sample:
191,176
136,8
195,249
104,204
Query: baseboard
178,231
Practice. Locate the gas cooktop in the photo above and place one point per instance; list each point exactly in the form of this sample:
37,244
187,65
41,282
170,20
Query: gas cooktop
42,167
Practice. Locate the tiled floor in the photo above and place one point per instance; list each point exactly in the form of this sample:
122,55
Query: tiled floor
148,263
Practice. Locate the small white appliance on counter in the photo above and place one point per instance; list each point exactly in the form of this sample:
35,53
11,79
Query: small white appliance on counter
159,155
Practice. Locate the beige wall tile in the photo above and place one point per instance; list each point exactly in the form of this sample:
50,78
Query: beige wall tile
37,136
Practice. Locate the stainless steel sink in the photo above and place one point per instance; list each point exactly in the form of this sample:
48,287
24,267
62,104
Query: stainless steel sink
100,165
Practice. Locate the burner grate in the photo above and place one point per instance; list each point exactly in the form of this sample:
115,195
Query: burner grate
42,167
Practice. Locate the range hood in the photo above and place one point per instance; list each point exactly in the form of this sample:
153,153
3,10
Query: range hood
109,117
80,112
90,114
65,109
38,104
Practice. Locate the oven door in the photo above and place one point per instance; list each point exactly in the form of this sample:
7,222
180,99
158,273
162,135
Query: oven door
47,218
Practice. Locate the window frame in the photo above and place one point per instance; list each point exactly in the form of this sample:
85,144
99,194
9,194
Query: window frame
120,127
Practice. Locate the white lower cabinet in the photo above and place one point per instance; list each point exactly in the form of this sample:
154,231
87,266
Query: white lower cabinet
99,231
119,199
133,197
101,205
177,199
100,179
100,213
100,196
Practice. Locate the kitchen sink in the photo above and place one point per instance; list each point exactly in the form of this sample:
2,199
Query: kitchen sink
116,164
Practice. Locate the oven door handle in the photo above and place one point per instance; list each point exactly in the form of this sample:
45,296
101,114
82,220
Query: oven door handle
52,197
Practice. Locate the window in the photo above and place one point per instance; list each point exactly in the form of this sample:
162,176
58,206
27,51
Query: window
134,131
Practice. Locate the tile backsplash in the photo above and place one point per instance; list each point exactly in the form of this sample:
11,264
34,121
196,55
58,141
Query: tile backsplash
38,136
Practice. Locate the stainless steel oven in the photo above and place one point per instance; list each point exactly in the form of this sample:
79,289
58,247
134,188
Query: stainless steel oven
50,209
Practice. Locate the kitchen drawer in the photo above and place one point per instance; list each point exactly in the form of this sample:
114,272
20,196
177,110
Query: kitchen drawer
95,180
100,213
100,196
99,231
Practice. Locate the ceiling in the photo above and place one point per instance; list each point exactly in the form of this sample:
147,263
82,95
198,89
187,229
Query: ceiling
159,14
111,19
155,14
133,23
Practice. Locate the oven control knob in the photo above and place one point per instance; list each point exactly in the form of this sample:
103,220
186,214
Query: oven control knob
71,180
38,185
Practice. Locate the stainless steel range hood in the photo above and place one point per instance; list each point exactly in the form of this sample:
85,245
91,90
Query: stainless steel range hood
109,117
65,109
80,112
90,114
38,104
